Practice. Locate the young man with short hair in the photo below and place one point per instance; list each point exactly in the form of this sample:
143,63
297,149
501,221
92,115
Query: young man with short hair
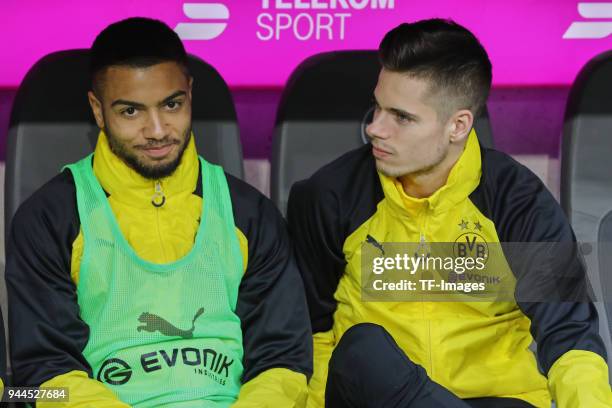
143,275
425,179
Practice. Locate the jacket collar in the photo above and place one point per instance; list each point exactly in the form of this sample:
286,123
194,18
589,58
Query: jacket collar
463,178
129,187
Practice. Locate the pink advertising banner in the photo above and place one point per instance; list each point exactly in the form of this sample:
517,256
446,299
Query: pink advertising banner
257,43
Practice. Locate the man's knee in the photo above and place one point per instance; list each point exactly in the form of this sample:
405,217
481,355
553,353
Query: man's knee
367,364
360,337
367,347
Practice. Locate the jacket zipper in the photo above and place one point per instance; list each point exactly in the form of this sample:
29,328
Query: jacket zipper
423,247
158,200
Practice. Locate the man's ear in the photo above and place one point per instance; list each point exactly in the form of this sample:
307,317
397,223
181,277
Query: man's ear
461,124
96,108
190,86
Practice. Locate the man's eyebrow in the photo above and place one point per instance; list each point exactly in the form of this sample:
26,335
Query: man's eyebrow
171,97
401,112
397,111
139,105
128,103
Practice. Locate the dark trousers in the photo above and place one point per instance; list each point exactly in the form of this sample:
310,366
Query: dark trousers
368,369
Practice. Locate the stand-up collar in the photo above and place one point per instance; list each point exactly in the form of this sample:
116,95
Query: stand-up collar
462,180
127,186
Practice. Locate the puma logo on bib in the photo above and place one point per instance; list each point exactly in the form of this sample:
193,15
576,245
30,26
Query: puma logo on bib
153,322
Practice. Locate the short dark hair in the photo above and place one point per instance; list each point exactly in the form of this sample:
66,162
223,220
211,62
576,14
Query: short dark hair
445,54
135,42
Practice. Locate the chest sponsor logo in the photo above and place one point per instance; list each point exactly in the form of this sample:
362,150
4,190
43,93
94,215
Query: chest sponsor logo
204,361
115,371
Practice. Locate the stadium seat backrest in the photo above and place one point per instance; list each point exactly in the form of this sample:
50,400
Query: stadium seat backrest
586,179
324,109
605,263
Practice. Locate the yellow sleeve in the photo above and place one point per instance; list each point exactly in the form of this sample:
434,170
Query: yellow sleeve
274,388
83,392
323,345
580,379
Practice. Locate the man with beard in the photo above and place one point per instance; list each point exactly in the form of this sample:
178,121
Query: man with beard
143,275
424,179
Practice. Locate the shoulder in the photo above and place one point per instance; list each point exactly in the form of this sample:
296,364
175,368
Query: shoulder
500,171
343,194
341,176
517,201
53,206
46,225
250,207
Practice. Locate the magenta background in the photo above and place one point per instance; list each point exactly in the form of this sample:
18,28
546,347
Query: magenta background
533,65
523,37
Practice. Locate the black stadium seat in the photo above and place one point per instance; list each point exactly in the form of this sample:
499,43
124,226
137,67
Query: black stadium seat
322,114
586,186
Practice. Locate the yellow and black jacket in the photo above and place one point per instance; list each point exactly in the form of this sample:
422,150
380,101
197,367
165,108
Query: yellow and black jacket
43,258
475,349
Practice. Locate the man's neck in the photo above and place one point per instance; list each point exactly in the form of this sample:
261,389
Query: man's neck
424,184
